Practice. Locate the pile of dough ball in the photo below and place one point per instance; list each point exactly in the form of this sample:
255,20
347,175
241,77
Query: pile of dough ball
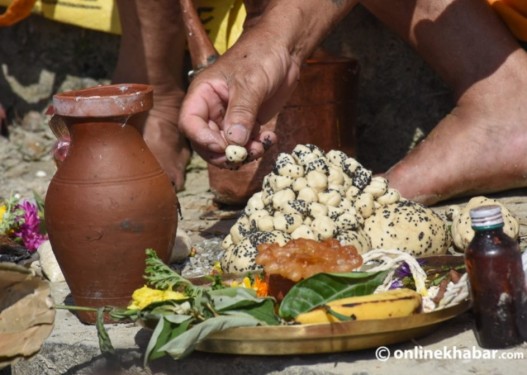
462,232
315,195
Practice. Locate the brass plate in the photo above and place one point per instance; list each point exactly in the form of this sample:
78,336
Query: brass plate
336,337
326,338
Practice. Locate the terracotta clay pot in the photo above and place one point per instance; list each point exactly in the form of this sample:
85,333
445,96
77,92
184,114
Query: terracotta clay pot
109,199
321,111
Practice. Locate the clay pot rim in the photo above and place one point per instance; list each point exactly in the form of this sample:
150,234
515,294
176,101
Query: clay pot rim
104,100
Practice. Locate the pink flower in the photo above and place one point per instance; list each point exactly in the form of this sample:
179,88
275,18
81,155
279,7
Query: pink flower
29,226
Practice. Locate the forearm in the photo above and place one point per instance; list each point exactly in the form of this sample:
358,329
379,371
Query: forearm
300,25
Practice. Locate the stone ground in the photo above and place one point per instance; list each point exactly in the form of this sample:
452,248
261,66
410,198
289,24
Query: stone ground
39,58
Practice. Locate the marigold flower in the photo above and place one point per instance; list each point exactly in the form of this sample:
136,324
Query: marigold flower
261,286
256,282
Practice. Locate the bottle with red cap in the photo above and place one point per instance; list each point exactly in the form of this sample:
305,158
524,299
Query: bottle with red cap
497,281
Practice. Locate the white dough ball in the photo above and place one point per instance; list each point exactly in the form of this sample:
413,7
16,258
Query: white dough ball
324,227
235,153
303,231
308,194
317,180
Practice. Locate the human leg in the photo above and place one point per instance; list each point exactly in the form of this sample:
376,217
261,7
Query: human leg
152,51
481,146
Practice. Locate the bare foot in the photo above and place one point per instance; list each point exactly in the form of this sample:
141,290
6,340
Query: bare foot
162,136
481,147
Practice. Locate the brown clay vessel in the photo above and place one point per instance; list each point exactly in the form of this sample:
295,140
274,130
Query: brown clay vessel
109,199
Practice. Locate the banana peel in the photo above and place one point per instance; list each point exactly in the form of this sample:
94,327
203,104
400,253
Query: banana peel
390,304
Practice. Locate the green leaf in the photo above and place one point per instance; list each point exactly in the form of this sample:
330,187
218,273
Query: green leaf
162,277
263,311
341,317
244,300
322,288
184,344
39,201
167,328
105,344
118,314
232,298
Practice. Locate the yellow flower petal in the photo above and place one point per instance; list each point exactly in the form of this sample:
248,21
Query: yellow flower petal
170,294
3,210
145,296
246,282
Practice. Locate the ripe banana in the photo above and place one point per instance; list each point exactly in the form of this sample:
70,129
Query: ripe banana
390,304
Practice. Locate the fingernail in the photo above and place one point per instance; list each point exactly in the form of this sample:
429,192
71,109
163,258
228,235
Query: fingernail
238,134
267,143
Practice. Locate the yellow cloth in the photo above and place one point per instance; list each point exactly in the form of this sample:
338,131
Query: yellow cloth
222,19
514,14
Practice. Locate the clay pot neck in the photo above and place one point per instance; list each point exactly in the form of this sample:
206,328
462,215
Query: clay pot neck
104,101
103,124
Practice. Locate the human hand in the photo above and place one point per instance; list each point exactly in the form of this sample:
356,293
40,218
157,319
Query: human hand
228,101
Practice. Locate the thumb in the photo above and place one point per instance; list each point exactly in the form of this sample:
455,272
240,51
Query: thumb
240,117
238,133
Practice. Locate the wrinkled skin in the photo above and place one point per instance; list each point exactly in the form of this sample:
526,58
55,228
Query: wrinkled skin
479,147
247,86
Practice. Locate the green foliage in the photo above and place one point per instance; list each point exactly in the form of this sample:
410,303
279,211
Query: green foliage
322,288
184,343
161,276
39,201
167,329
182,324
105,344
12,216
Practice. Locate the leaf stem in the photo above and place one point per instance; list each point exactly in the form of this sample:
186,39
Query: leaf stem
75,308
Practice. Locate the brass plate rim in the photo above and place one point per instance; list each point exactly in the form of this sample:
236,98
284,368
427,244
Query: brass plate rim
332,337
326,337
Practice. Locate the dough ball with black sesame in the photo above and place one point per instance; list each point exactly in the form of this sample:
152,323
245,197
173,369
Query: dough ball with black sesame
241,257
236,154
408,226
462,232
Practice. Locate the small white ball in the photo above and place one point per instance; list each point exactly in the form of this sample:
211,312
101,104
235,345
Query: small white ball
235,153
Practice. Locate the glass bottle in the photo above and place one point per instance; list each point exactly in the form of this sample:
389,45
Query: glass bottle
497,281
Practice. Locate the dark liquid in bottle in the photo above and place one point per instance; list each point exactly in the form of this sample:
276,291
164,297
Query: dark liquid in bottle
498,289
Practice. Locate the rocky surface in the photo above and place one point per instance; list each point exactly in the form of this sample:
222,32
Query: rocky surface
27,165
